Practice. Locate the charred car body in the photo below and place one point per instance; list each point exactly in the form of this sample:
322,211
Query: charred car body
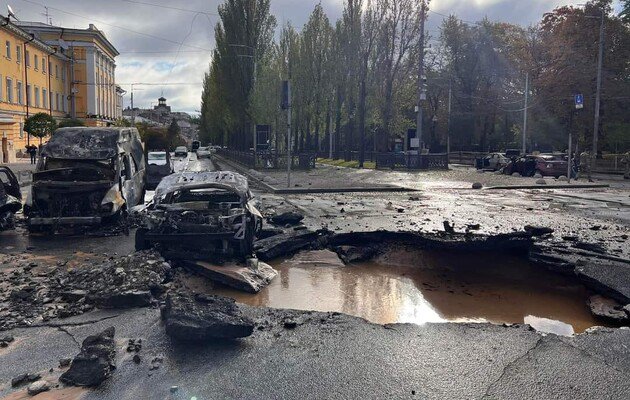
10,198
200,215
86,176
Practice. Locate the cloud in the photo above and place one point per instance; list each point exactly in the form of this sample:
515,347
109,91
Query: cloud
171,46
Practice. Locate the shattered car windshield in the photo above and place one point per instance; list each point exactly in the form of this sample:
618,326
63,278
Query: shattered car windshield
211,195
60,163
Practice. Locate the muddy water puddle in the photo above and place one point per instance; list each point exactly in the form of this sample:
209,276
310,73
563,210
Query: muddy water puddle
406,285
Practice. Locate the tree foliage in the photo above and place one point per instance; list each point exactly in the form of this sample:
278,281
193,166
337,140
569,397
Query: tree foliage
40,125
70,122
355,80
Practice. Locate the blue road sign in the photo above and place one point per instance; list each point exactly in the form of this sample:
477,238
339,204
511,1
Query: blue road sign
579,101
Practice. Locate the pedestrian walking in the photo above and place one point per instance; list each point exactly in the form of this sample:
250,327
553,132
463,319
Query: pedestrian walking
585,165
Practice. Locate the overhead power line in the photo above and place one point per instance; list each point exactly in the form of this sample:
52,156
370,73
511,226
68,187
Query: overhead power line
169,7
117,26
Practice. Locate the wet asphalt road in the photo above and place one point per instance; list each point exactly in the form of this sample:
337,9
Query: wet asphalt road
336,356
340,357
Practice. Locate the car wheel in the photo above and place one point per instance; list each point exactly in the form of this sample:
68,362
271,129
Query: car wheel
141,241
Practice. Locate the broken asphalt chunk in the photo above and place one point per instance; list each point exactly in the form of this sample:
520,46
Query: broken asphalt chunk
204,318
94,363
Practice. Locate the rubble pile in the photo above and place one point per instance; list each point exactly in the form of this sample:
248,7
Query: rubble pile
95,362
30,295
203,318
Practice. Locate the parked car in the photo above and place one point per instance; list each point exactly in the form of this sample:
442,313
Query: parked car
493,162
86,176
544,164
159,165
203,152
10,198
200,215
181,151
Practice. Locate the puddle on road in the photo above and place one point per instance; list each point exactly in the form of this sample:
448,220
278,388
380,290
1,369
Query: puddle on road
414,286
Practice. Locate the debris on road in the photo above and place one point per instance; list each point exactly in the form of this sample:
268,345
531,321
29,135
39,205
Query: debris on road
288,242
38,387
5,340
202,318
250,277
32,296
538,230
24,378
286,216
94,363
608,309
349,254
10,198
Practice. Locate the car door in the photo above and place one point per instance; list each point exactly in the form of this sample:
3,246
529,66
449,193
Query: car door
128,175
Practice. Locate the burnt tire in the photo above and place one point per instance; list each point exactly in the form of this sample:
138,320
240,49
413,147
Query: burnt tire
141,242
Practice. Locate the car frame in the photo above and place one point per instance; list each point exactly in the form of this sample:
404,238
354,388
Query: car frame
200,215
10,198
86,176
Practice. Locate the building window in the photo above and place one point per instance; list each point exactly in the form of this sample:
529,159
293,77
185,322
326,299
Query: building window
27,58
57,101
8,44
63,74
28,94
9,90
63,102
18,54
37,103
44,65
20,96
50,67
45,97
21,130
36,61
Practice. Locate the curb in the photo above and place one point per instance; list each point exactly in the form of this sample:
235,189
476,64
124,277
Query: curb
274,190
578,186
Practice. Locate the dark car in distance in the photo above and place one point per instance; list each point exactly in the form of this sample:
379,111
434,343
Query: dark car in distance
544,164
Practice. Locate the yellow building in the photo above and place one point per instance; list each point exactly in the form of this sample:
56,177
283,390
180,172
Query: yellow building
27,85
64,72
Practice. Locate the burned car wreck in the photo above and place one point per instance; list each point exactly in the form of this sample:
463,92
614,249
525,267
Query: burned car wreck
86,176
200,215
10,198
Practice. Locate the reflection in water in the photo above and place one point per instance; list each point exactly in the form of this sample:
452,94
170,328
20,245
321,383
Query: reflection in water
406,285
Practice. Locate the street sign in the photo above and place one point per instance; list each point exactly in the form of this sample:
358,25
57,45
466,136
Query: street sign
579,101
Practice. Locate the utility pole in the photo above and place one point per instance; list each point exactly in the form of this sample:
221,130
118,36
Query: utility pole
286,104
599,86
524,149
133,112
448,121
421,80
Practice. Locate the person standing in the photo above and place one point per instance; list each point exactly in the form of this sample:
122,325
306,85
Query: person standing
585,164
32,151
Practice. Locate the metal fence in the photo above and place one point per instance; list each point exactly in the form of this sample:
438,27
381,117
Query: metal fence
349,155
269,159
411,161
610,163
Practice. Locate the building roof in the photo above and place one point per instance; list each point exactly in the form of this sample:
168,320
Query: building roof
7,24
90,31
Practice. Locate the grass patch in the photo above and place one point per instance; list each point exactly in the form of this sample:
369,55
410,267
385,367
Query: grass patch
347,164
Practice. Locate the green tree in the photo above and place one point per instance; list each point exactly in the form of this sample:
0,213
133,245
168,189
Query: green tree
40,125
70,122
625,11
172,134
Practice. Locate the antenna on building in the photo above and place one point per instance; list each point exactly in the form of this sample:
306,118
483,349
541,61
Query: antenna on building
48,16
11,13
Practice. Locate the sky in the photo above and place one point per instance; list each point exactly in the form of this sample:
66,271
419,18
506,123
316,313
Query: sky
166,45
